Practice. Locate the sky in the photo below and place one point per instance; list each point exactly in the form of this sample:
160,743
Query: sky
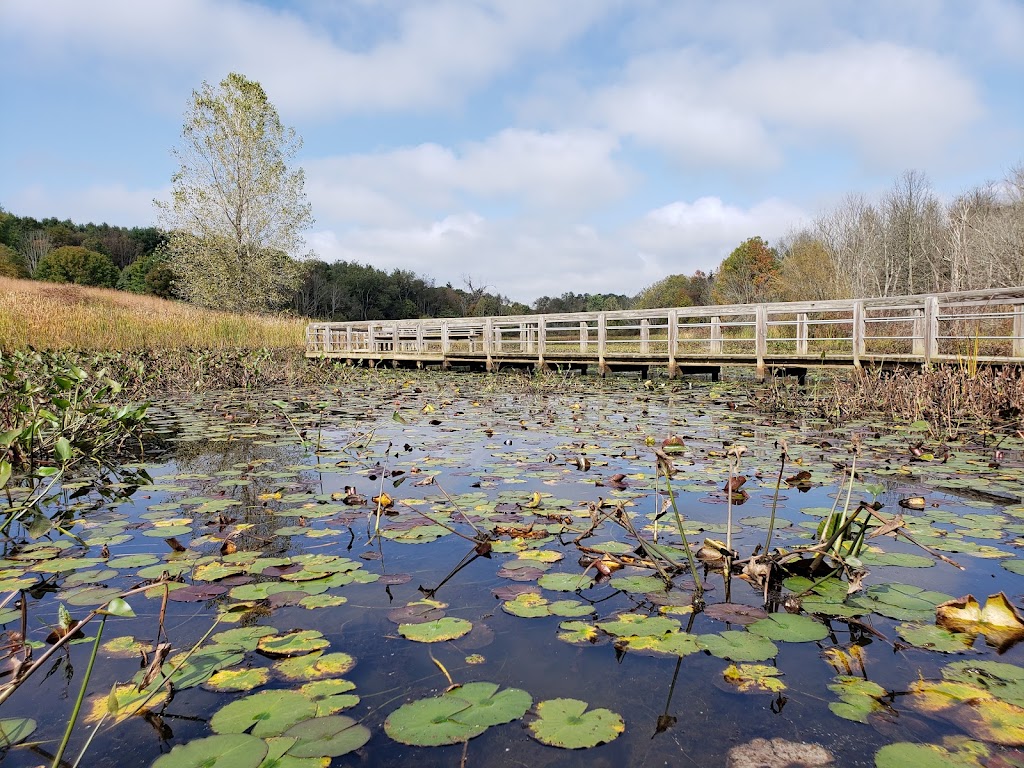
532,147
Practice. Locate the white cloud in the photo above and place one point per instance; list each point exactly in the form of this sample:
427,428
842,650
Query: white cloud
892,104
544,173
434,53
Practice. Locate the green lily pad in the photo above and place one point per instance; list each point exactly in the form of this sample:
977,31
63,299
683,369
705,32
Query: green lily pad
789,628
456,716
295,643
933,638
529,605
566,723
669,644
448,628
905,754
858,698
268,713
330,736
14,730
235,750
1002,680
577,632
224,680
754,678
902,559
637,584
315,666
636,624
565,582
738,646
244,638
901,601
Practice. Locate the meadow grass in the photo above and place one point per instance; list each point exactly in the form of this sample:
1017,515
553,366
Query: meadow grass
59,316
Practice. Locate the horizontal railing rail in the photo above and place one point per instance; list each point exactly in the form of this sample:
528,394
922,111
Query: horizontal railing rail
987,326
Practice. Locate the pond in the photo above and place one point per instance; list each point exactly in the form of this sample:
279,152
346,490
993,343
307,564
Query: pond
448,569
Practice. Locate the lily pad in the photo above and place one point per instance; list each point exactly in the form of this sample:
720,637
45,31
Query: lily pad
268,713
933,638
577,633
754,678
565,582
456,716
529,605
295,643
448,628
14,730
315,666
330,736
905,754
738,646
904,602
789,628
235,750
566,723
225,680
636,624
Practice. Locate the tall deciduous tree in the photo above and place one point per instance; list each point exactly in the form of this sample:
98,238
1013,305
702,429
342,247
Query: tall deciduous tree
748,275
237,211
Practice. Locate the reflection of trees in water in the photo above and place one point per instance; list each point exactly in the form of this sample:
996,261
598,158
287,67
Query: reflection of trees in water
244,459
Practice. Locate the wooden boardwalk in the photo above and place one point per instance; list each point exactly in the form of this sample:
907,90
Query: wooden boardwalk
967,328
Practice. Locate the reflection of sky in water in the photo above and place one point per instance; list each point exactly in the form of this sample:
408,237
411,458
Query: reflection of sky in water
236,460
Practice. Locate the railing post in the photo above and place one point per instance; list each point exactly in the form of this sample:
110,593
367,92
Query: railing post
929,326
858,333
531,336
761,338
348,337
801,333
673,341
523,338
419,338
541,341
602,342
446,343
498,340
488,340
370,341
395,341
715,347
645,336
1018,330
583,337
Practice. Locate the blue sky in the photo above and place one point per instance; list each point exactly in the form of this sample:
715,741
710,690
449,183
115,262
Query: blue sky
532,146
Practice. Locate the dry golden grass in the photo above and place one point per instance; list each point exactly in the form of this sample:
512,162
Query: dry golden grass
62,316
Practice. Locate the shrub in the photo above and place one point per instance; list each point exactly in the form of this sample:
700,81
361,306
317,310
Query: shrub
11,263
75,264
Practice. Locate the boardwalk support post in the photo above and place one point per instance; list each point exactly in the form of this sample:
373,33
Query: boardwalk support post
602,344
583,337
761,338
857,333
645,336
541,342
716,336
1018,330
489,343
673,341
801,333
931,328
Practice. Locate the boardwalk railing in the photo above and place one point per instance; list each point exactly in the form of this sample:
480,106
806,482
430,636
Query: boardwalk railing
983,327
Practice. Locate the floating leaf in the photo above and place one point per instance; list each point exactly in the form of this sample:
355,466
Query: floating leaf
670,644
236,750
635,624
437,631
456,716
738,646
901,601
130,701
754,678
998,620
330,736
637,584
268,713
566,723
905,754
789,628
315,666
14,730
934,638
565,582
577,632
859,697
1002,680
225,680
294,643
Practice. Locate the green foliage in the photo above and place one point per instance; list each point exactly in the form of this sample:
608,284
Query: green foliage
749,275
148,274
75,264
12,263
237,211
676,291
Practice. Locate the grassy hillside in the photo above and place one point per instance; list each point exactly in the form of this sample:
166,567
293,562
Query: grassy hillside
61,316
